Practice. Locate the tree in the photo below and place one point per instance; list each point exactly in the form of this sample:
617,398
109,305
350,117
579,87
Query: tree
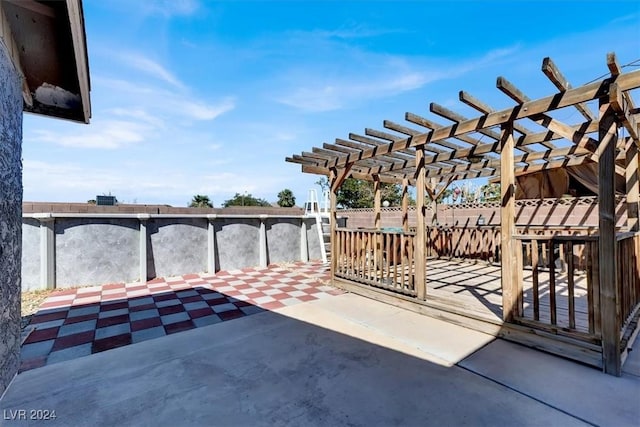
356,193
286,199
200,201
490,192
245,200
323,182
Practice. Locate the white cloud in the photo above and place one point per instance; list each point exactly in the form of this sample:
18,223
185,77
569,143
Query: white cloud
336,94
69,181
162,102
376,77
151,68
169,8
351,31
105,134
202,111
138,114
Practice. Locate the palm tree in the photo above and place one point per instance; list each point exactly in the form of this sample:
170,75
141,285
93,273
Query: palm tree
286,199
200,201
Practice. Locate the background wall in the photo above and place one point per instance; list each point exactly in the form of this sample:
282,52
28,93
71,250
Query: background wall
176,246
92,249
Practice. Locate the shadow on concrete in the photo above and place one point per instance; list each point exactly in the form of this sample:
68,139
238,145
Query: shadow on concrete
271,369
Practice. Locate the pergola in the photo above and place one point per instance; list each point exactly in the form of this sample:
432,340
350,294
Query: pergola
502,145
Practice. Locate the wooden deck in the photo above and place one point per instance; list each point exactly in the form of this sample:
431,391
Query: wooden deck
475,288
469,294
555,306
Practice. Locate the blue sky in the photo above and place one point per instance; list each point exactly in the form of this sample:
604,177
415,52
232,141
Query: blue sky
201,97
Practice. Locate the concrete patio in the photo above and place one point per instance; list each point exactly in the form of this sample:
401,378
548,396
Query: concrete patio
344,360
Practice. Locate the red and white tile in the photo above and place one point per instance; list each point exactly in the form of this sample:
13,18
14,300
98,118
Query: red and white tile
77,322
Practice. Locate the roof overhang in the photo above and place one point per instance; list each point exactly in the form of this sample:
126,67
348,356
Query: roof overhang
47,43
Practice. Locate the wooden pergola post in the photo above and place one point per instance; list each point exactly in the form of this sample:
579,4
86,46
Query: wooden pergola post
405,205
377,202
336,178
607,244
377,222
420,259
633,186
508,224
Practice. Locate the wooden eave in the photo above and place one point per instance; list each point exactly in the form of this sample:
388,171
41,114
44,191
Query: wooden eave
453,151
47,44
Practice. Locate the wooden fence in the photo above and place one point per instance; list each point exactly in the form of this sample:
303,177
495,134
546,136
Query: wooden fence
628,272
558,286
375,257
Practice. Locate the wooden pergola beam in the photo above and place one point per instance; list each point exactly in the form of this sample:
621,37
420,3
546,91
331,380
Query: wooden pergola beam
457,118
394,138
545,120
388,124
557,78
431,125
338,176
355,174
405,167
342,150
524,158
364,143
475,103
556,164
622,106
571,97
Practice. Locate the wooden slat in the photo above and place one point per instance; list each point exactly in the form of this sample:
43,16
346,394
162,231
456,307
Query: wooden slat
519,284
394,243
535,279
571,286
552,283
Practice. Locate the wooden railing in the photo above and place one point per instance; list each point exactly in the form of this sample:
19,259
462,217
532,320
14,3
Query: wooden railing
483,242
628,272
378,258
558,286
463,242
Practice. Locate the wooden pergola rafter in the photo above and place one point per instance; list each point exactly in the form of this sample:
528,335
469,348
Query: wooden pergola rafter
392,157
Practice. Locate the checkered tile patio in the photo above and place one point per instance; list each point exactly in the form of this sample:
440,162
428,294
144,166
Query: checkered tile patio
77,322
